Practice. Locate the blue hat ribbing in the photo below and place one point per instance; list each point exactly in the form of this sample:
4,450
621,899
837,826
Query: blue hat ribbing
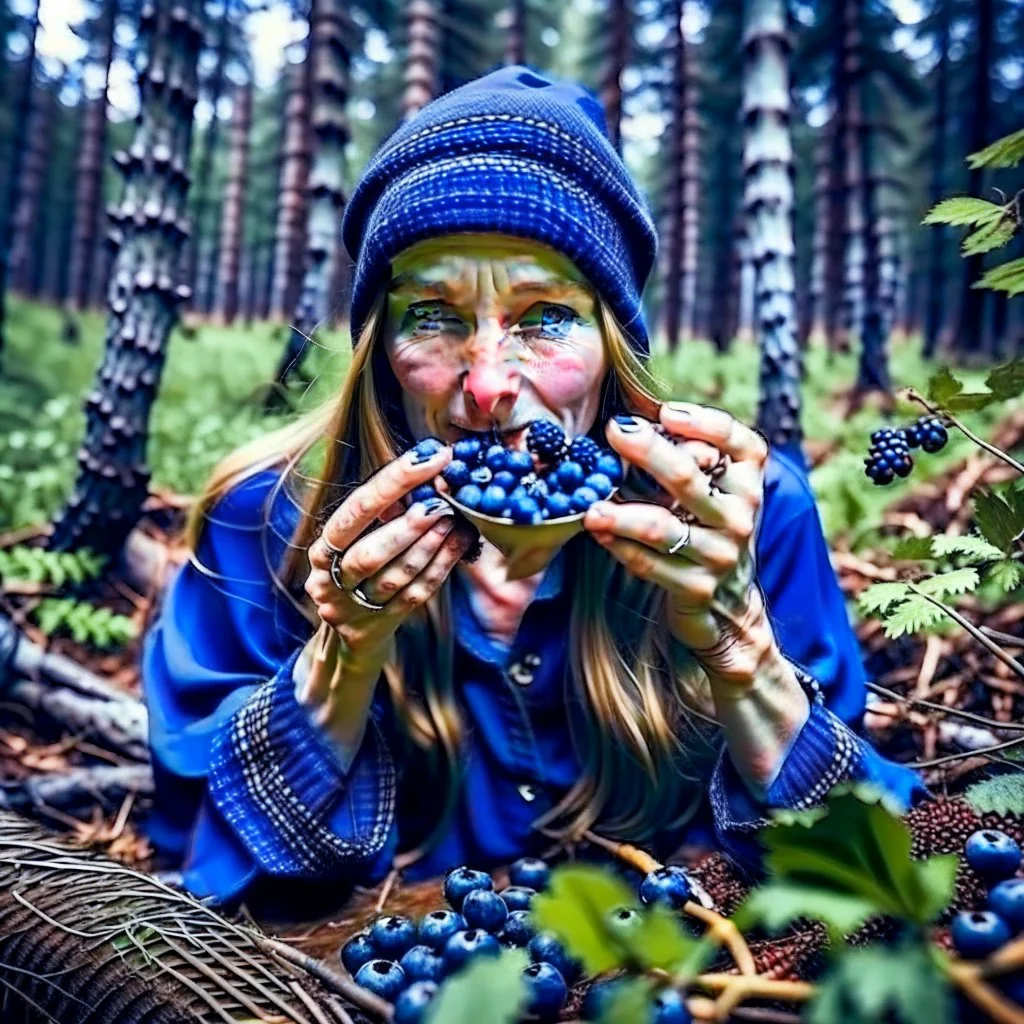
516,153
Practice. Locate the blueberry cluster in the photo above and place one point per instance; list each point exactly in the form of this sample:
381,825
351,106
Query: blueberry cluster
995,857
553,479
404,962
889,454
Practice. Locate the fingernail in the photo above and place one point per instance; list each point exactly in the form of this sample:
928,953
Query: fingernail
599,508
627,424
680,410
433,505
426,449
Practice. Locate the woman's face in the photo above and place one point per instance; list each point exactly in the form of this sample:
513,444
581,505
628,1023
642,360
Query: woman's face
451,303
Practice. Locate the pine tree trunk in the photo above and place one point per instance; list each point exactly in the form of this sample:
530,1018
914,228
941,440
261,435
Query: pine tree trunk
971,332
618,57
290,229
232,223
813,322
89,170
330,83
691,207
26,247
674,233
768,204
936,312
144,294
515,40
423,58
19,144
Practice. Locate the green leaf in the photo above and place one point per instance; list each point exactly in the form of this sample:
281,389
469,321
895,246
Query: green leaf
943,386
913,549
976,550
880,596
912,616
875,983
1006,575
777,904
946,584
1003,794
488,991
970,402
1007,380
630,1002
999,521
961,210
1005,152
1007,277
989,236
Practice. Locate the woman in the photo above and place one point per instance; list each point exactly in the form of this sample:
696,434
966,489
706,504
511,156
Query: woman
343,679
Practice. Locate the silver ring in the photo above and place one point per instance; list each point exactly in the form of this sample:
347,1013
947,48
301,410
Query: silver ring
684,538
336,566
360,599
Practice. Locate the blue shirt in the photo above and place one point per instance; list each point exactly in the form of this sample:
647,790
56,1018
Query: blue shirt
253,799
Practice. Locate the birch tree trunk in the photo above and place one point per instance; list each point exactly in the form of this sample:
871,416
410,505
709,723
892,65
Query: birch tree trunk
768,204
232,217
423,58
515,40
89,169
145,289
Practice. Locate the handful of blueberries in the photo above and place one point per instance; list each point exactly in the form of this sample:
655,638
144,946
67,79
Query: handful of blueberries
405,962
554,478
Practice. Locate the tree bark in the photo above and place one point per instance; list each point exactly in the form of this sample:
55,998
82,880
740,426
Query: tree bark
89,169
618,56
971,332
674,240
144,292
18,147
423,59
936,310
289,232
233,213
813,320
768,204
515,40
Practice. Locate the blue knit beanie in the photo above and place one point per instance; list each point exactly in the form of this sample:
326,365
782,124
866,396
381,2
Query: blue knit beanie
516,153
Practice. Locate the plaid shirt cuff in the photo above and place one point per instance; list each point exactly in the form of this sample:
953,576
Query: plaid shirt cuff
281,787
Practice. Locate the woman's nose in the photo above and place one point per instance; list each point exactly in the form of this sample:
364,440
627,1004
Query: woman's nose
492,383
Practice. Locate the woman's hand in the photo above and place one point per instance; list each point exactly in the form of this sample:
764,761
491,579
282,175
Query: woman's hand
710,580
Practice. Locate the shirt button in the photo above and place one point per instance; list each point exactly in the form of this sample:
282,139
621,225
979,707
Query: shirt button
522,672
527,793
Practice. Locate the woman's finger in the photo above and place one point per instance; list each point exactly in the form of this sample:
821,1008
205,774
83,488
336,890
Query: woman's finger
719,428
657,528
372,552
429,581
408,564
384,488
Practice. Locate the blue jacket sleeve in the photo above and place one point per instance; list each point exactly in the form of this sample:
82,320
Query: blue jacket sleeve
246,785
808,615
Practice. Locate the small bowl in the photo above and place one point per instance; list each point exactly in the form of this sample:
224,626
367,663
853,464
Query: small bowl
527,547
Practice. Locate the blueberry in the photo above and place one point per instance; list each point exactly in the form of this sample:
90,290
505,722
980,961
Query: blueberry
493,500
459,882
935,439
439,926
424,492
611,467
559,505
993,854
599,997
554,484
570,475
383,978
546,991
976,933
1007,900
518,462
505,480
456,473
470,496
421,963
586,451
624,920
468,450
546,949
481,476
411,1007
518,929
669,1007
496,458
583,498
427,447
600,483
517,897
468,945
392,935
484,909
357,951
668,885
530,873
523,508
903,465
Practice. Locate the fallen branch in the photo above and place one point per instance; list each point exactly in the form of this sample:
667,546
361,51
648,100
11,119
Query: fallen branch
78,788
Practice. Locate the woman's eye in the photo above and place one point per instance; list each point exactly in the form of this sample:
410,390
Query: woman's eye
550,319
432,317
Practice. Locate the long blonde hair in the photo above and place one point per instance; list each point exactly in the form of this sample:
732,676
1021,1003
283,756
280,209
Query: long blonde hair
646,748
